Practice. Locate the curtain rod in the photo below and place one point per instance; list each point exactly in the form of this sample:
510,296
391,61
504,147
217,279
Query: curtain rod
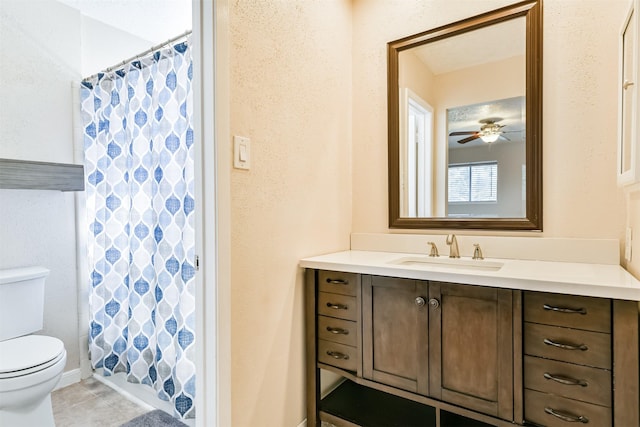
140,55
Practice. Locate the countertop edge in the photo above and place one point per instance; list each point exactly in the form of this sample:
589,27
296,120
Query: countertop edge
623,286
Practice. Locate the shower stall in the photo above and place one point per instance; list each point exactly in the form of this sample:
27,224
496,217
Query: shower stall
137,121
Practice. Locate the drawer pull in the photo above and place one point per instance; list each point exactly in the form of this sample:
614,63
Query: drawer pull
337,331
337,281
565,380
565,309
563,346
570,418
337,306
338,355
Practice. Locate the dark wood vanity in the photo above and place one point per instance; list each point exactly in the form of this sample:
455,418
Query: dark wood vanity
428,353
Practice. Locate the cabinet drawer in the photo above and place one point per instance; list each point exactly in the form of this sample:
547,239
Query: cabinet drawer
592,385
540,408
337,282
340,306
592,314
568,345
337,330
340,355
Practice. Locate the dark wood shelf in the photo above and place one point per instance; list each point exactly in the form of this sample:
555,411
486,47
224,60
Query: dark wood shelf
448,419
359,405
28,175
365,406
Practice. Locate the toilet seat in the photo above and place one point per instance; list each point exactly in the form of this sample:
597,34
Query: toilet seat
29,354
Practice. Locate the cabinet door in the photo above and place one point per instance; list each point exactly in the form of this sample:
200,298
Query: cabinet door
471,347
395,332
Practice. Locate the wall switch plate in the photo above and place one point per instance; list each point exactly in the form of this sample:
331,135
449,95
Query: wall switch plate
628,237
241,152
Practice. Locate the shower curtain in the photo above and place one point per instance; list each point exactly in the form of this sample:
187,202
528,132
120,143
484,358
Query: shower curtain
138,142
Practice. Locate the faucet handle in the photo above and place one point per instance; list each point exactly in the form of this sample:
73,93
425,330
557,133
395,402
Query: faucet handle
477,252
434,250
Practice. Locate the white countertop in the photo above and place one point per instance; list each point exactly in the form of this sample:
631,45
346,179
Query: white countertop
597,280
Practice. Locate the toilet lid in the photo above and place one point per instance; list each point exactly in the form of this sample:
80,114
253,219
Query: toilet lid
31,353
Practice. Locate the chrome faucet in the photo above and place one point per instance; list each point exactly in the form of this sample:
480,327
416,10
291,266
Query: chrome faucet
434,250
453,243
477,252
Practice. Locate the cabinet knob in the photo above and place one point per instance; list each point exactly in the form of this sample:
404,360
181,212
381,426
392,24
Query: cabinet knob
434,303
420,302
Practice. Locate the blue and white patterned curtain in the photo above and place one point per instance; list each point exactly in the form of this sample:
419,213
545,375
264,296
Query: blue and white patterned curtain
138,142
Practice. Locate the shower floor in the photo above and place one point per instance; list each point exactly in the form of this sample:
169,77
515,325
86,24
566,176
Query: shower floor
100,402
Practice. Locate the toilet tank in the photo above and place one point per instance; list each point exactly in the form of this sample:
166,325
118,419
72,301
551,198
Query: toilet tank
21,301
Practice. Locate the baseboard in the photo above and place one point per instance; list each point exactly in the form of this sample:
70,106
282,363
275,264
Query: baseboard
69,377
303,423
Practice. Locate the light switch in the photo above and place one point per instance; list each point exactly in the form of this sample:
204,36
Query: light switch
241,152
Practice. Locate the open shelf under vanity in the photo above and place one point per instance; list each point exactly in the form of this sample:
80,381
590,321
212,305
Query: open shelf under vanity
359,405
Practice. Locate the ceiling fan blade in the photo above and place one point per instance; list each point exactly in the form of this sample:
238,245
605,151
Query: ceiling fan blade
468,132
502,135
471,138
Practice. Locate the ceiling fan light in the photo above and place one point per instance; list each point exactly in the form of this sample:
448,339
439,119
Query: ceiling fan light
490,137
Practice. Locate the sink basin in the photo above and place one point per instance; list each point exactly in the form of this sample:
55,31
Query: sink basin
449,263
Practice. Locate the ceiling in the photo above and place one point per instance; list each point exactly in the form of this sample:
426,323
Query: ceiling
153,20
481,46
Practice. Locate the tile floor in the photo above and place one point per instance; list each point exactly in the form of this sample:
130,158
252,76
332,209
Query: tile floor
91,403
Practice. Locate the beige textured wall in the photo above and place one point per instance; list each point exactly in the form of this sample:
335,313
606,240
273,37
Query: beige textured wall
291,94
415,75
581,198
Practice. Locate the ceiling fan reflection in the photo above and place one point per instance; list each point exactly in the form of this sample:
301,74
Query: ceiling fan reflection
489,132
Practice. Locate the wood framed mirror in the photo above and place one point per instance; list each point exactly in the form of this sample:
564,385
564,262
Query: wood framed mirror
465,123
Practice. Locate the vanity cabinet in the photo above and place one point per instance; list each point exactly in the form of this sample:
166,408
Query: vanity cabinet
435,354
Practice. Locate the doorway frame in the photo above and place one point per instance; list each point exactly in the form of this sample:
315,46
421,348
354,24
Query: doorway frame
213,242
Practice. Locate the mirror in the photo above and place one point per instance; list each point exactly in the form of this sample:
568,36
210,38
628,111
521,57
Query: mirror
465,123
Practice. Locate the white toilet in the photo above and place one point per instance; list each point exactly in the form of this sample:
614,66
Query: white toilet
30,365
